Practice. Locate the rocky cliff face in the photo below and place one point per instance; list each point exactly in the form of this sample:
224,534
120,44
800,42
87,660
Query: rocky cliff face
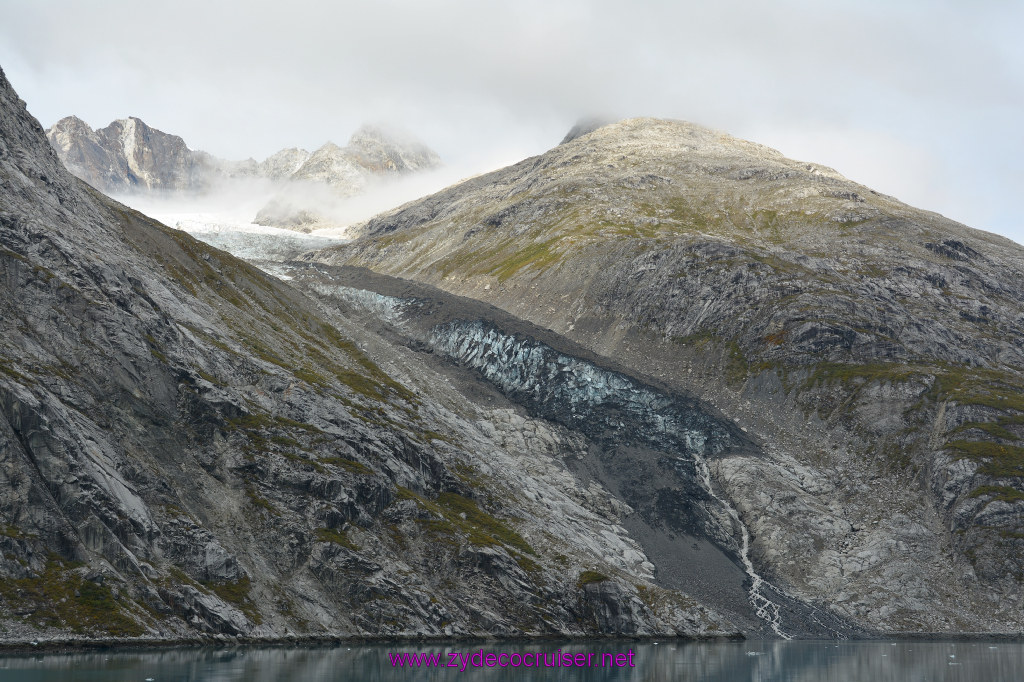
191,449
127,155
873,350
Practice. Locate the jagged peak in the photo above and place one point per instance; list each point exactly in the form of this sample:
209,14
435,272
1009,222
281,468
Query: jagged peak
376,135
288,152
131,122
134,123
70,123
327,148
371,132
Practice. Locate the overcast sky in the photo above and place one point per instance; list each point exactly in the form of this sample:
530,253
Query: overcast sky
920,99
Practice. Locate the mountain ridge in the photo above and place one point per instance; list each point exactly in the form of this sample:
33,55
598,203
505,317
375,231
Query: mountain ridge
128,156
874,347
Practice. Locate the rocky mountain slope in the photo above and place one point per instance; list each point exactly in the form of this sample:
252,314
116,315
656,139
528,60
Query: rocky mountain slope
874,352
192,449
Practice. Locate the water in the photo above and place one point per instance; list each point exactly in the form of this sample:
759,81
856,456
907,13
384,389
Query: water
761,661
766,609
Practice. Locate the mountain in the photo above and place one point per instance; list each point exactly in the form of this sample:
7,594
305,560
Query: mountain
658,381
872,352
369,152
127,155
370,155
283,164
191,450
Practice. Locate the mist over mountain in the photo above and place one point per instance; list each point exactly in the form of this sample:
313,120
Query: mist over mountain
129,158
317,189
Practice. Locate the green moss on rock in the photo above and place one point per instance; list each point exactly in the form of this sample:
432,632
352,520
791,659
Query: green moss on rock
590,577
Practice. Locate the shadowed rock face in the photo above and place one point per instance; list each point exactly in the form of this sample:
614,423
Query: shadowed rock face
874,349
190,448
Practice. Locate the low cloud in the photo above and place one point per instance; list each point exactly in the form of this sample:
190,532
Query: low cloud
488,83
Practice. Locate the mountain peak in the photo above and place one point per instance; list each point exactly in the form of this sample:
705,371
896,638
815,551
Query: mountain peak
375,133
71,123
387,151
585,126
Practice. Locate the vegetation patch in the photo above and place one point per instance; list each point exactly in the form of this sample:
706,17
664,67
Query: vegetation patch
260,420
428,435
736,364
12,254
349,465
698,339
374,383
459,515
527,564
852,375
485,529
154,348
209,377
61,598
260,502
311,376
999,493
236,592
285,441
337,537
996,429
589,577
656,598
539,255
15,532
263,351
5,368
997,390
997,459
264,431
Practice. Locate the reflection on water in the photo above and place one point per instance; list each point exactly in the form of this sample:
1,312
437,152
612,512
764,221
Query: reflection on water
901,661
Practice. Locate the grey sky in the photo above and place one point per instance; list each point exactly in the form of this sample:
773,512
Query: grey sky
920,99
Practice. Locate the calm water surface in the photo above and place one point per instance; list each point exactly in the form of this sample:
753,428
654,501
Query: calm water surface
900,661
